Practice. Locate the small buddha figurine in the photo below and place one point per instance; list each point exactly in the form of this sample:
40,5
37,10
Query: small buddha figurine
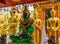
38,24
53,24
14,22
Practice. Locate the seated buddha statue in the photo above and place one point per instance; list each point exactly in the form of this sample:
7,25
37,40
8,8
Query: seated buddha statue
26,24
53,24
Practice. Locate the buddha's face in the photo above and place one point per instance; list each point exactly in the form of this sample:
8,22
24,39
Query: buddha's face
53,13
39,13
12,13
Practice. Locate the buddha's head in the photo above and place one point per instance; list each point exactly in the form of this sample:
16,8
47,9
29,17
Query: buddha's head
26,10
53,13
38,11
12,12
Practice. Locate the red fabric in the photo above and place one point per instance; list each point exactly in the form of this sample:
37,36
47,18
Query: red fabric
10,2
2,1
2,4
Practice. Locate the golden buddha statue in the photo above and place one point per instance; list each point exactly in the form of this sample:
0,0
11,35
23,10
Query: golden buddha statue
14,23
3,25
38,24
53,24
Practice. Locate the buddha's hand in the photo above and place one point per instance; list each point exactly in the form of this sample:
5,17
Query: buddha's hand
53,29
50,28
